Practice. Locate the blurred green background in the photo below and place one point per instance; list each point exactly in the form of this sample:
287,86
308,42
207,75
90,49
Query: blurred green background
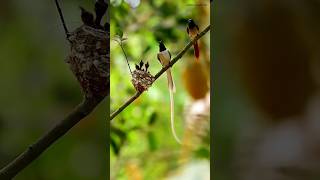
37,90
142,146
266,90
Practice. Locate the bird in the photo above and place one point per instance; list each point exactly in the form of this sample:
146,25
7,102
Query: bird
87,17
193,31
164,57
100,9
147,66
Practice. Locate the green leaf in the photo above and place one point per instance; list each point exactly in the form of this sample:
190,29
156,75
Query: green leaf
152,141
119,33
152,119
202,153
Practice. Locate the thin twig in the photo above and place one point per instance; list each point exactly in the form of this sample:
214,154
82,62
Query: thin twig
172,62
62,19
124,52
126,58
35,150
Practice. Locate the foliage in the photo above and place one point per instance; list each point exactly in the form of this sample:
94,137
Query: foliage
142,146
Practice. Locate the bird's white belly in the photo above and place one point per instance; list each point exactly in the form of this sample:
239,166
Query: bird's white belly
164,57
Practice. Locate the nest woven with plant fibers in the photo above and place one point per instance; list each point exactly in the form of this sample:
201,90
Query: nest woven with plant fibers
89,60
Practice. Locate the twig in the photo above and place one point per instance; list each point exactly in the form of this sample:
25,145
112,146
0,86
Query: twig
124,52
127,103
172,62
62,19
125,57
35,150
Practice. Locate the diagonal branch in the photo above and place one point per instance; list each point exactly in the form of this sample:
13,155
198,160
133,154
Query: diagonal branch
172,62
35,150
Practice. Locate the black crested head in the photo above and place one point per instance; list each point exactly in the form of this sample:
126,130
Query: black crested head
100,8
141,64
87,17
162,47
191,23
137,67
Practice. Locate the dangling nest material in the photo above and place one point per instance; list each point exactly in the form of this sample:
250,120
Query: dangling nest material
89,60
142,80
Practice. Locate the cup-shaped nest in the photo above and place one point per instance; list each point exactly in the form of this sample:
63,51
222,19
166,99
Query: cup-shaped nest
89,60
142,80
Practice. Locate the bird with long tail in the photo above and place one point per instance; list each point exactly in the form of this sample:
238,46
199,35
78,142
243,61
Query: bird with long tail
164,57
193,31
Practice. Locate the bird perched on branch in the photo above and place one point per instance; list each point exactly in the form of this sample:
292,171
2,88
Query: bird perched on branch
193,31
164,57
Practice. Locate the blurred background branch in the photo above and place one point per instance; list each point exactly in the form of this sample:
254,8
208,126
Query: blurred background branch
35,150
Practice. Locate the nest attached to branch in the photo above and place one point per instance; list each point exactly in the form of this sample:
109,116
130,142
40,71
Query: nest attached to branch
89,60
142,80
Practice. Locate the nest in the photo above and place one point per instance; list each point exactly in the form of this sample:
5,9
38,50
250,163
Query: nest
89,60
142,80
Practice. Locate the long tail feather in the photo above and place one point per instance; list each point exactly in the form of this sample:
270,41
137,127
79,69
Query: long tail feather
170,81
172,89
196,50
172,117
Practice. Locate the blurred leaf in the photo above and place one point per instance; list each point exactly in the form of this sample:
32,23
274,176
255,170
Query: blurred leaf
168,9
119,33
124,39
118,132
202,152
115,2
152,141
114,146
152,119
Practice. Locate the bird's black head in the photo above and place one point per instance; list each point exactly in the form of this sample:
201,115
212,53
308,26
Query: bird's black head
100,7
87,17
162,47
82,9
191,23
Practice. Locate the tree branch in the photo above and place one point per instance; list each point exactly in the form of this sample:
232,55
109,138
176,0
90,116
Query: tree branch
35,150
172,62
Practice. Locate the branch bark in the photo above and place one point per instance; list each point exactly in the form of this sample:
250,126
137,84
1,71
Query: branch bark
35,150
172,62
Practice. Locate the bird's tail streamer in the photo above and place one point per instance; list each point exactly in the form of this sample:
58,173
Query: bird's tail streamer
196,50
171,91
172,117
